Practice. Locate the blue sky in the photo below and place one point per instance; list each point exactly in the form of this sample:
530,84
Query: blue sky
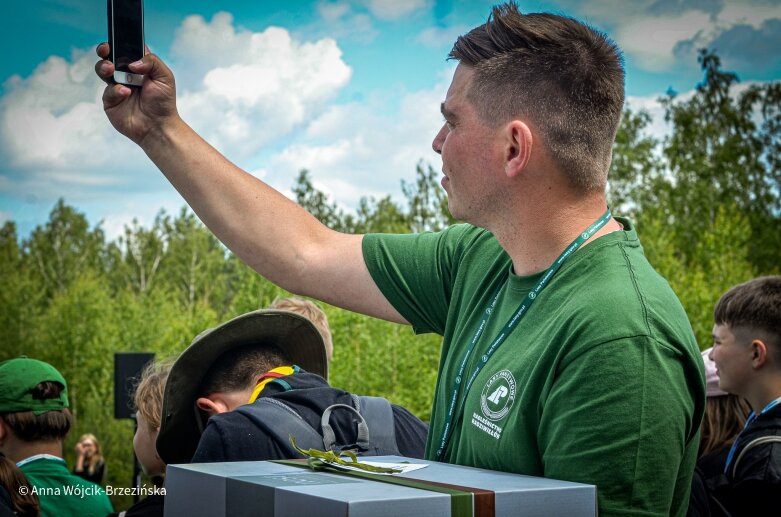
349,89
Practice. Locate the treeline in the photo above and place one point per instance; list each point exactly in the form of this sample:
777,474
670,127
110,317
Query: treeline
706,200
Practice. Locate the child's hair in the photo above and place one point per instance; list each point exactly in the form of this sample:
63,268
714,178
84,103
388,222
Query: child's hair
724,418
754,305
239,368
25,503
313,313
49,426
96,458
148,398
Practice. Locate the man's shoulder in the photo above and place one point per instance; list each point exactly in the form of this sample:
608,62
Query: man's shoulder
458,237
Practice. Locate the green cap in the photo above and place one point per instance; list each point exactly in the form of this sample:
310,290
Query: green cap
18,378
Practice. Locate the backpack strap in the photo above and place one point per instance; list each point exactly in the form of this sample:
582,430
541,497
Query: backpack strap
280,421
329,438
753,443
373,416
379,415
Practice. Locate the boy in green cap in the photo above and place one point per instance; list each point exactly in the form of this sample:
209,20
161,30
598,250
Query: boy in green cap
34,421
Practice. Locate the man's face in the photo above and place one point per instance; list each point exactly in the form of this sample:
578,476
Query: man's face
470,152
732,356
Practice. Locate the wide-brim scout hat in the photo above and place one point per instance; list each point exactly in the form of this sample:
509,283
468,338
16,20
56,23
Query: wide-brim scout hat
293,334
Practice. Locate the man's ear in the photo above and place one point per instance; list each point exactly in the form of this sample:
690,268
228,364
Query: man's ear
518,147
3,431
212,407
758,353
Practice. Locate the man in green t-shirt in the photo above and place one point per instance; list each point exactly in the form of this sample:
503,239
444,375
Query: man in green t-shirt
564,354
34,420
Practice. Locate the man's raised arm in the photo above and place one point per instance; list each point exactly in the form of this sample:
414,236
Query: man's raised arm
271,233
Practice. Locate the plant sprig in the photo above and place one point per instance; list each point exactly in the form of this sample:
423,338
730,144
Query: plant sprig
318,459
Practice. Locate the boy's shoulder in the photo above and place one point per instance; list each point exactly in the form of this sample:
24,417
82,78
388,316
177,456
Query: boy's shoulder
758,455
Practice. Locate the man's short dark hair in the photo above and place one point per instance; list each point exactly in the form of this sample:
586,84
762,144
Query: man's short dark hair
240,367
46,427
564,77
754,305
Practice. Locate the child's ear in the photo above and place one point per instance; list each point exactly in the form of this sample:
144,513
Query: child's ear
758,353
211,407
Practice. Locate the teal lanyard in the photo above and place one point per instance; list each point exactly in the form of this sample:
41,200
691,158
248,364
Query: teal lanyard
452,410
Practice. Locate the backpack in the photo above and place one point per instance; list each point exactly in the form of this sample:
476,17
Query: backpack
704,501
753,443
372,415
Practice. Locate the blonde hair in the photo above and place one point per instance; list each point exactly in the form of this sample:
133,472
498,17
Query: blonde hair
96,458
311,311
148,398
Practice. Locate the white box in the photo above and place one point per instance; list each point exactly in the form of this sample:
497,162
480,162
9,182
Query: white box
264,488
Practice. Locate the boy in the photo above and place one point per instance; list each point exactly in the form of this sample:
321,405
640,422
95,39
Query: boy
312,312
747,353
148,400
226,374
34,421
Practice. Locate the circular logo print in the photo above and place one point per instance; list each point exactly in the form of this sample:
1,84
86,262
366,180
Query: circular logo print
498,395
532,295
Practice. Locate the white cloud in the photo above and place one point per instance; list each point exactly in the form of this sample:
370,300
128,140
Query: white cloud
751,13
339,20
648,33
53,133
650,40
352,151
436,37
394,9
247,89
240,89
332,10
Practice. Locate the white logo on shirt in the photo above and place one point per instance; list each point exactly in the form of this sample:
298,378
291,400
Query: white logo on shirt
498,395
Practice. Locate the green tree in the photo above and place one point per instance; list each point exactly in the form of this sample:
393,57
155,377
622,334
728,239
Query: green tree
63,249
194,265
718,154
317,203
634,165
20,297
426,201
137,254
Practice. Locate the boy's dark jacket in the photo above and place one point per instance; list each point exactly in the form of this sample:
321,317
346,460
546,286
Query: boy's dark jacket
754,487
234,436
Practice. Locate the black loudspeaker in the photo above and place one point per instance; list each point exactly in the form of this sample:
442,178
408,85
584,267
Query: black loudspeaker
127,371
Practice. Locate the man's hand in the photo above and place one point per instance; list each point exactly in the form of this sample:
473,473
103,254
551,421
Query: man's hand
135,112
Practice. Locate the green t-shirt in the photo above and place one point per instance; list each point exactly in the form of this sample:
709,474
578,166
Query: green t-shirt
63,494
601,382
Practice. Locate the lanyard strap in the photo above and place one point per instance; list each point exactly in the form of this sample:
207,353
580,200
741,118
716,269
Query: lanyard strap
751,418
456,402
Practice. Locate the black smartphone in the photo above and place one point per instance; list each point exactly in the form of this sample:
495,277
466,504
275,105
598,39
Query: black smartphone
126,38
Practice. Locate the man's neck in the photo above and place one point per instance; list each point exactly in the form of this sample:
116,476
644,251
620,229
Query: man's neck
536,238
